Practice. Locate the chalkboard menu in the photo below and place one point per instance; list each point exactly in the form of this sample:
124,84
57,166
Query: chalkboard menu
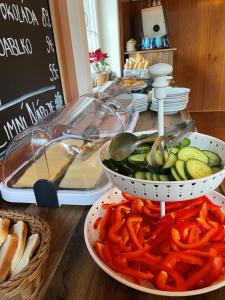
30,85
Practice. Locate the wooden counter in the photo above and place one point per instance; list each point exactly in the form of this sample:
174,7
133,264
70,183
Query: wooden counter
71,272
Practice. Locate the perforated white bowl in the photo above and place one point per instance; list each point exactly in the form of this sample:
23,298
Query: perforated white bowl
90,235
170,190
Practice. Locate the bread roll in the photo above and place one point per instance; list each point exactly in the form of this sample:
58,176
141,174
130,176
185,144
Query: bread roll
32,244
20,230
4,228
7,252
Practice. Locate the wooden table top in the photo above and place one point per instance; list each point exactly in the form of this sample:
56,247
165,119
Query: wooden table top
71,272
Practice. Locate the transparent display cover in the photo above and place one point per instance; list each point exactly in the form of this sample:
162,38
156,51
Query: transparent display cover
63,147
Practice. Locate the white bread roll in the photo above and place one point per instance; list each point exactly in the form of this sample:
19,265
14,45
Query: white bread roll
20,230
32,244
4,229
7,252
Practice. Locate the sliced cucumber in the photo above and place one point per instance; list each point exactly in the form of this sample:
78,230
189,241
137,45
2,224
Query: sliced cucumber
138,159
197,169
158,158
142,150
214,159
175,150
185,142
175,174
170,161
216,169
164,177
140,175
155,177
148,175
189,152
180,168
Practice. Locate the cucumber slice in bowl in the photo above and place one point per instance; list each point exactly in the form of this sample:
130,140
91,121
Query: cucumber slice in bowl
149,175
170,161
180,168
175,174
190,152
216,169
214,159
138,159
197,169
140,175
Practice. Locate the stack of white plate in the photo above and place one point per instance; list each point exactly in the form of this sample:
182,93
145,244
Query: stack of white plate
140,102
176,100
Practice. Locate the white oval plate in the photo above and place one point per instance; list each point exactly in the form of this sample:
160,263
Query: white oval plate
90,235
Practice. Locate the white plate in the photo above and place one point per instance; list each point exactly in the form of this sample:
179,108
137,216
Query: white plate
90,235
167,112
178,90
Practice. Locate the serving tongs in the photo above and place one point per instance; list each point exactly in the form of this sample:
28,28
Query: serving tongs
164,142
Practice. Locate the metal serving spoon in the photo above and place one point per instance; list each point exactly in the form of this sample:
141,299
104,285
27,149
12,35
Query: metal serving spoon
124,144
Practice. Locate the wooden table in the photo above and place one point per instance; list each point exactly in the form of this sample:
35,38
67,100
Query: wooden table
71,272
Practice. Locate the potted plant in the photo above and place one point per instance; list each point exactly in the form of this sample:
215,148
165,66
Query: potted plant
100,66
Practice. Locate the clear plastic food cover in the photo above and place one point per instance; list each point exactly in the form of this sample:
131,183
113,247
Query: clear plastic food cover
63,148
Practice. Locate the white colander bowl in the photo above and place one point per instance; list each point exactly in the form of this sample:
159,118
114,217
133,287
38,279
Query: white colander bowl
170,190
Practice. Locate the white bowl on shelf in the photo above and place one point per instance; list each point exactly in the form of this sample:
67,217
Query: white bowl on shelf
90,235
170,190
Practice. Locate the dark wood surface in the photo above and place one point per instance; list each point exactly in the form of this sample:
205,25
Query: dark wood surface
71,272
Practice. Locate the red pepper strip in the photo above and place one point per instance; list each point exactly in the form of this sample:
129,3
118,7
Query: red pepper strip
148,213
107,253
118,212
152,206
124,235
219,215
96,223
218,247
132,234
113,233
137,253
141,235
203,224
104,224
204,211
114,205
198,253
175,205
123,268
193,235
139,205
187,212
204,240
162,230
174,257
219,235
98,247
195,278
183,226
129,197
136,226
156,267
215,272
161,283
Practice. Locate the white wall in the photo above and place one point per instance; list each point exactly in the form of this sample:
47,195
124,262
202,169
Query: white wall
80,47
108,15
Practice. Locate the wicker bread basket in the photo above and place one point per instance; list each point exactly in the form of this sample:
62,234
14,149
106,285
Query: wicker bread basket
26,284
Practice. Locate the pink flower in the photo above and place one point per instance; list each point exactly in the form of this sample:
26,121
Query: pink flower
97,56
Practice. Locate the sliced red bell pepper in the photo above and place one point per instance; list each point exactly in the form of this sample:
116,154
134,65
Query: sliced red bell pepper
125,269
131,232
193,235
156,267
204,211
96,223
201,275
219,215
128,197
215,272
104,224
183,226
219,235
148,213
174,257
202,242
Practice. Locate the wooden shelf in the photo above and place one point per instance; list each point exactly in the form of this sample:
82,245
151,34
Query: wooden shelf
151,50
